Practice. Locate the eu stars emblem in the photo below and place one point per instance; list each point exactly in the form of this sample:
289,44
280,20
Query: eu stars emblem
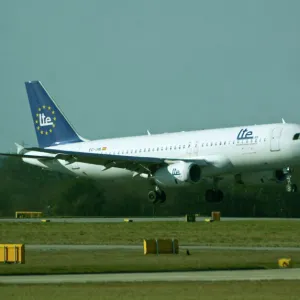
45,120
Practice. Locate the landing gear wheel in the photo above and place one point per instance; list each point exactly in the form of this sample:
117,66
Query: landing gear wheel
294,188
290,187
219,195
214,196
163,197
157,196
153,197
209,195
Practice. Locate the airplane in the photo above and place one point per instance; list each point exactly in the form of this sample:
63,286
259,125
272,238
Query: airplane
254,154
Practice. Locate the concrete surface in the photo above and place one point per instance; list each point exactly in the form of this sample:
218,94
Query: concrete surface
247,275
140,247
149,219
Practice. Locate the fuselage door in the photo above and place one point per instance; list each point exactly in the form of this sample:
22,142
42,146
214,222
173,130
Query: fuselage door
275,139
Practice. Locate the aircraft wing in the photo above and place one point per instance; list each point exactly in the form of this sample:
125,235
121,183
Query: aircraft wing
133,163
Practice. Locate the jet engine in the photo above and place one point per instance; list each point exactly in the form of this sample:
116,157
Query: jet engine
179,173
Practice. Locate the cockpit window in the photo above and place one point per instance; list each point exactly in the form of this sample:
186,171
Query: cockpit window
296,136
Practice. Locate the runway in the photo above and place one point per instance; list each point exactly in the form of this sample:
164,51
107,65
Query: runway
247,275
137,219
140,247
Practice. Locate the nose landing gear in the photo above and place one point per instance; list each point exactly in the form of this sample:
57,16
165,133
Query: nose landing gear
214,195
290,187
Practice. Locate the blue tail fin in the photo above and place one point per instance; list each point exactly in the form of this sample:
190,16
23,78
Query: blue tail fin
51,126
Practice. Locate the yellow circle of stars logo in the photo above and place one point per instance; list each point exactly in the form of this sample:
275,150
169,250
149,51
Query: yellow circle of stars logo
45,120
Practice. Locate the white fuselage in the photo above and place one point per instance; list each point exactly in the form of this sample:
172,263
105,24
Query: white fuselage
237,149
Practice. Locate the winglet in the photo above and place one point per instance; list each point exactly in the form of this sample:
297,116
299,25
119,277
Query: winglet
283,121
148,132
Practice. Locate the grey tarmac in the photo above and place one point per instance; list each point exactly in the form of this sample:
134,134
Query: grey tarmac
136,219
140,247
244,275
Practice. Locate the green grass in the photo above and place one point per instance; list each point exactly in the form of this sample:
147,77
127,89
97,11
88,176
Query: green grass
234,233
71,262
272,290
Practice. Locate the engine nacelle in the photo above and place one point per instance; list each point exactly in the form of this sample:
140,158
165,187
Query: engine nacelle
265,177
179,173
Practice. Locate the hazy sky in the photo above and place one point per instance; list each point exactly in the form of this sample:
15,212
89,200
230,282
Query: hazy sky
118,68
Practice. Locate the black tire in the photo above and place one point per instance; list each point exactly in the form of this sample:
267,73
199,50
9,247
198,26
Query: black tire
152,197
214,196
219,196
294,188
209,195
162,197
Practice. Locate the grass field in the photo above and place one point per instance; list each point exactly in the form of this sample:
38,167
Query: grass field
234,233
67,262
273,290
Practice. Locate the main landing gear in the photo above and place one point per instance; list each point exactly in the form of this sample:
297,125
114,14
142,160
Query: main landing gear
290,187
157,196
214,195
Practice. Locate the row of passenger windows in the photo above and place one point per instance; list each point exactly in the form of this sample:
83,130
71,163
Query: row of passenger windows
183,147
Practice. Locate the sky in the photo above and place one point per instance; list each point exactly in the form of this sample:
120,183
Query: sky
118,68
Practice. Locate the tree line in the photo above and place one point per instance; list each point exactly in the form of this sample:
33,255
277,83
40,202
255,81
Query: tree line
28,188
